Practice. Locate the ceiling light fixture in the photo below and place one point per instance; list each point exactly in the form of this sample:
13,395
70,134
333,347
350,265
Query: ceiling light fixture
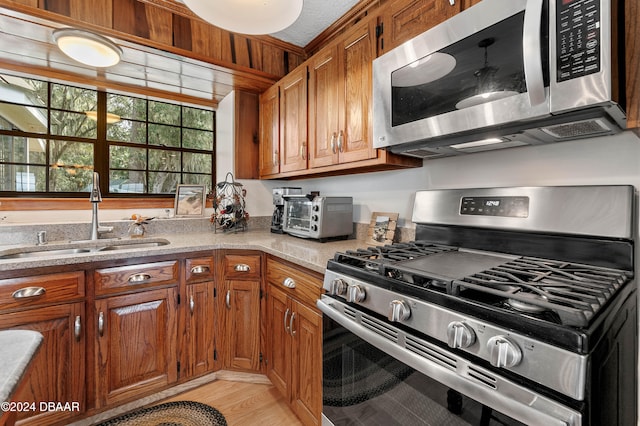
248,16
87,48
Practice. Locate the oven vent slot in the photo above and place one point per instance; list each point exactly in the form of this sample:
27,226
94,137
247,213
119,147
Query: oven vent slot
350,312
379,328
482,377
432,353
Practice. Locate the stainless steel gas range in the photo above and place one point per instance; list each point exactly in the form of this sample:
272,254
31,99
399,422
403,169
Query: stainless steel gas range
512,306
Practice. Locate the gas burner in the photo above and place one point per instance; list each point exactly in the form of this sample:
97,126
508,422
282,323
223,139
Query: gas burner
521,305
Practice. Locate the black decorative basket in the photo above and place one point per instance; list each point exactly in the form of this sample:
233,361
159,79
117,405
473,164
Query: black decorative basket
229,214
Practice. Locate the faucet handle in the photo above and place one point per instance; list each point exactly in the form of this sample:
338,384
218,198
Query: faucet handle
104,229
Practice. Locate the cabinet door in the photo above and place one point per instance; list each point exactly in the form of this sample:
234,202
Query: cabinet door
357,51
324,89
136,347
199,333
293,121
279,350
58,373
242,302
306,377
270,131
403,19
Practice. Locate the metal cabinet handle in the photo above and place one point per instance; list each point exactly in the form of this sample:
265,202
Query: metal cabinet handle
341,141
77,328
27,292
200,269
192,304
289,282
291,330
333,142
452,2
276,160
101,324
286,327
303,151
242,267
227,299
139,278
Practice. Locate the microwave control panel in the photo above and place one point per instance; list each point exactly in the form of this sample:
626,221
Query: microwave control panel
578,38
495,206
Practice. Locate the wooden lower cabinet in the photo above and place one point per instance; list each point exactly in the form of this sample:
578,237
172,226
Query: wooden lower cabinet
199,329
58,372
136,345
294,350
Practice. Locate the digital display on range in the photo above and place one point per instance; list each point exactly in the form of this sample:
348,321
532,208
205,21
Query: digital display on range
578,38
495,206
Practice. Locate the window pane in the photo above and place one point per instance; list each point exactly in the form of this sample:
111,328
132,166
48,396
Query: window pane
127,107
22,178
70,179
125,157
164,135
160,112
197,139
163,182
198,180
197,118
73,98
16,149
165,161
198,163
23,118
127,131
73,124
127,182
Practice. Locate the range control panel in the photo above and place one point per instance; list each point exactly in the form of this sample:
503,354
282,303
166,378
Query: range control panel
578,41
495,206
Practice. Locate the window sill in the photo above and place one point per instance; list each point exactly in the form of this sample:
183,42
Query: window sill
34,204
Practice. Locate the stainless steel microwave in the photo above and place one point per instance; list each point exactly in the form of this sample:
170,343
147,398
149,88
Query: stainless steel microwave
500,74
318,217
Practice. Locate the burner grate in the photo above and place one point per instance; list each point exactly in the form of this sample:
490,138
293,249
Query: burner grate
574,292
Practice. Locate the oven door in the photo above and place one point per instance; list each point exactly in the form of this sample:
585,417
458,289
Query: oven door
297,216
375,374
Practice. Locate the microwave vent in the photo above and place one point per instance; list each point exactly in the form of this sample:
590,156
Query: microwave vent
578,129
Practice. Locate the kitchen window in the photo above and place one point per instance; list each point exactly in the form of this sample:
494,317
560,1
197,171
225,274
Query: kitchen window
53,136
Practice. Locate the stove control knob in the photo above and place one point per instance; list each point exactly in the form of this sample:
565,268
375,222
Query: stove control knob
460,335
338,286
398,311
355,293
504,352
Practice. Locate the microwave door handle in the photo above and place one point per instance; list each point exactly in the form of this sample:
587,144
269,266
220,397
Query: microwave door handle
531,52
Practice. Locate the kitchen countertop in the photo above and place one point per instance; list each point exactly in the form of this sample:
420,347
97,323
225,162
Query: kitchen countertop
310,254
17,349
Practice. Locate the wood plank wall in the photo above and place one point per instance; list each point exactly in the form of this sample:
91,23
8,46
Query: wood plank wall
172,26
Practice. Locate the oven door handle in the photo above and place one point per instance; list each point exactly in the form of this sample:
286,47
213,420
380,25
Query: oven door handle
522,404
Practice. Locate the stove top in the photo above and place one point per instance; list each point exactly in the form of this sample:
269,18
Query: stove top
560,292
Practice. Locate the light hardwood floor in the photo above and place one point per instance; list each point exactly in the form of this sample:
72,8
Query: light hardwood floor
243,403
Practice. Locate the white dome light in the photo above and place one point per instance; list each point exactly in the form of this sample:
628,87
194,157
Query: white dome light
87,48
248,16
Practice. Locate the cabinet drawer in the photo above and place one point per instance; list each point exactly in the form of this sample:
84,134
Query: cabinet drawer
199,269
242,266
304,285
131,277
41,290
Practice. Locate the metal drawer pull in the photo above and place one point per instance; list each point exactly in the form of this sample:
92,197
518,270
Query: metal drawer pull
200,269
291,330
289,282
192,304
27,292
286,314
139,278
242,267
227,299
77,328
101,324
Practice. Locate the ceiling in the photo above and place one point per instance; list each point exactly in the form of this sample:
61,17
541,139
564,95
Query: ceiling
26,46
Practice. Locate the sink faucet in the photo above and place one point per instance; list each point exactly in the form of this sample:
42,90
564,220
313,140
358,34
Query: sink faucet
95,198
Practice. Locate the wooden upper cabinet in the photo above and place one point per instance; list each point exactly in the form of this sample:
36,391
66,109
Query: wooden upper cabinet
270,131
402,20
293,121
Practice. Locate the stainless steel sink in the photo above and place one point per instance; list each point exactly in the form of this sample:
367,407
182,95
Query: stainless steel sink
78,247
